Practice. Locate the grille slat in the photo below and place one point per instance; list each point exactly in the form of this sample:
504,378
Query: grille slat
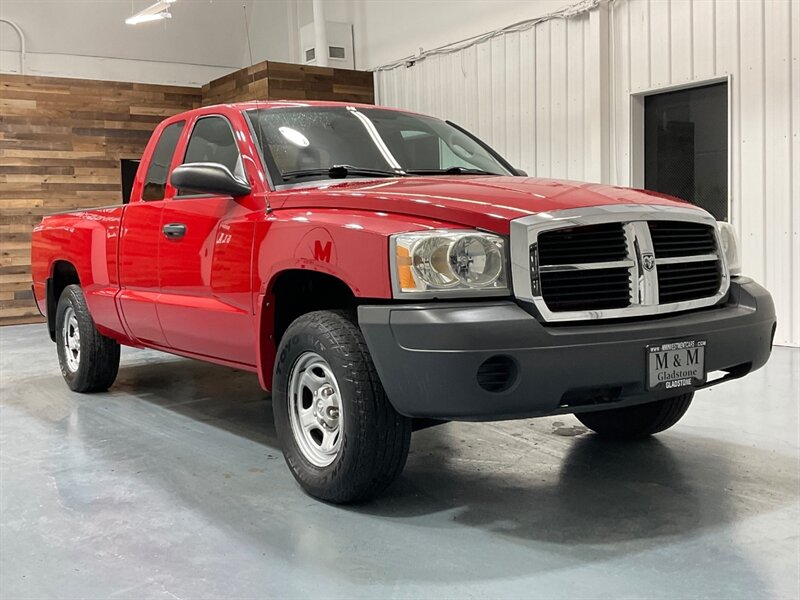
681,238
593,277
701,275
559,287
593,243
586,290
678,282
681,287
496,373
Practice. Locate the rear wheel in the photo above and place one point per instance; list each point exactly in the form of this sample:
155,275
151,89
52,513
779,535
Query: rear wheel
89,360
341,438
636,422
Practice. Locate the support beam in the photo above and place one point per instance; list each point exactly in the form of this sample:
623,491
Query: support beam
320,34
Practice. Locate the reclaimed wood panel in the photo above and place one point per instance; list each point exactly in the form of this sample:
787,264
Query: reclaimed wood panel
270,80
61,141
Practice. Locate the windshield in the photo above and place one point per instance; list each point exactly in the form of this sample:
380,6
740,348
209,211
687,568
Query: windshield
304,143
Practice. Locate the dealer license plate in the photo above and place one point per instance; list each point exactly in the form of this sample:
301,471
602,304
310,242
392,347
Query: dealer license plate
676,365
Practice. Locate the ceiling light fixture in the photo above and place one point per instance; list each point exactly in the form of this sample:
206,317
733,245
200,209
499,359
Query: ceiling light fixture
155,12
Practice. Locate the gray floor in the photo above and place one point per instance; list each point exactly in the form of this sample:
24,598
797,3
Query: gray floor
171,486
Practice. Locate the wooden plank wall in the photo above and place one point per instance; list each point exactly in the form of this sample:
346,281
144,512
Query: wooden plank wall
283,81
61,141
241,85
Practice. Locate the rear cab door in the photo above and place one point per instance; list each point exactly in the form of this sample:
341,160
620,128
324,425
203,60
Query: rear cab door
140,235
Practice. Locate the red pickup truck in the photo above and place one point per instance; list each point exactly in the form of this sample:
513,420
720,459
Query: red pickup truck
381,270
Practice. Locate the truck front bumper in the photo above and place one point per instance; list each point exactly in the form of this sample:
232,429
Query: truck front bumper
432,358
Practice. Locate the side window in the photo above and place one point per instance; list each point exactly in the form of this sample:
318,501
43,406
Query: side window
156,180
212,141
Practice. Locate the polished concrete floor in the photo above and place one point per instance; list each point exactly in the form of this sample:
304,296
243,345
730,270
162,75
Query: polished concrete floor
171,486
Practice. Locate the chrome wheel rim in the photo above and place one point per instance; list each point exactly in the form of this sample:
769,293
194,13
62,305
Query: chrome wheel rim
72,340
315,409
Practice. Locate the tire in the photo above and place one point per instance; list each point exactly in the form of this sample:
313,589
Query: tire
89,363
637,422
341,438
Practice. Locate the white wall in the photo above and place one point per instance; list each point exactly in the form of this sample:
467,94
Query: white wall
757,43
387,30
527,93
89,39
111,69
274,31
546,100
204,39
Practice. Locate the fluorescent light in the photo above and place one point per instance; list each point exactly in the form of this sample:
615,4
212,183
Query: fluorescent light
154,12
136,19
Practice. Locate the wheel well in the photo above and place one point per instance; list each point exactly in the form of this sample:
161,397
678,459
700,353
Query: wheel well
64,274
297,292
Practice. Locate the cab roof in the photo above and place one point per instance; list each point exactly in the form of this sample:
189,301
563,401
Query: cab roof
253,104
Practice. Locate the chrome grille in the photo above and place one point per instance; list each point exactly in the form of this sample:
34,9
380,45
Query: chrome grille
617,261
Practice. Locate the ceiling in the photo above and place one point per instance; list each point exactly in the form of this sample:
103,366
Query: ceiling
205,32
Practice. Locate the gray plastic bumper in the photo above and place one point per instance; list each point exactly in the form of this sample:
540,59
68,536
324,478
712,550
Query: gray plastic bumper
428,355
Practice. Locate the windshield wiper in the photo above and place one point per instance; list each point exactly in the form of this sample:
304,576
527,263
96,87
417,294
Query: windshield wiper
340,172
450,171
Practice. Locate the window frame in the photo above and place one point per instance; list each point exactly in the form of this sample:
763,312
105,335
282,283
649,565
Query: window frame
636,137
182,123
177,195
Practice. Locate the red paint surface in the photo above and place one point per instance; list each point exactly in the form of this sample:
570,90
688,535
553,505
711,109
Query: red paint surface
207,294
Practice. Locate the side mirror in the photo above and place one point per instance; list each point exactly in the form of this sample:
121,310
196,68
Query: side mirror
520,173
208,178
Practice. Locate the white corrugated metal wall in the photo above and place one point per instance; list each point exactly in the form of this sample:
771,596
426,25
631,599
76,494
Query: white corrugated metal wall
526,93
550,102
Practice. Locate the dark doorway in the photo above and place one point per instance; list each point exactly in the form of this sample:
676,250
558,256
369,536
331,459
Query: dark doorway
128,169
686,146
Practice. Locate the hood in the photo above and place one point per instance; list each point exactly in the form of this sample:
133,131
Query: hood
486,202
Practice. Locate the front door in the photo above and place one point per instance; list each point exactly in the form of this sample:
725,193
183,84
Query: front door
205,258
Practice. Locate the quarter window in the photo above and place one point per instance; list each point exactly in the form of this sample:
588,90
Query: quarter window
156,180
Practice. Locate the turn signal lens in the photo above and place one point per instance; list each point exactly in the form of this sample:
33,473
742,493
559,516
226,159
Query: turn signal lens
449,263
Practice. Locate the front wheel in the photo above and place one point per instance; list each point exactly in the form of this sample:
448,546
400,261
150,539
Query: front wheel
636,422
341,438
89,360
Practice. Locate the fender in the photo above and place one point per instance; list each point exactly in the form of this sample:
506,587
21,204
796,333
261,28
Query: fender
352,246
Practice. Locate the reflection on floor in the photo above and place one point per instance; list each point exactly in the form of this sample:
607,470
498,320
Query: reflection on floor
172,486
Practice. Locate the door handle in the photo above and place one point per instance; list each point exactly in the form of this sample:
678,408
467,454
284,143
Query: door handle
174,231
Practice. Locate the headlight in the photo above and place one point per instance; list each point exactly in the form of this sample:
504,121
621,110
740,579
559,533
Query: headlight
730,247
443,262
